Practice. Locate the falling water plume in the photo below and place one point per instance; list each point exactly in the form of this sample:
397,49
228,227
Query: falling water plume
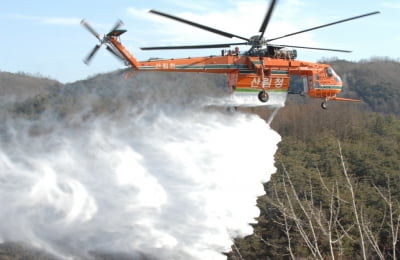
140,167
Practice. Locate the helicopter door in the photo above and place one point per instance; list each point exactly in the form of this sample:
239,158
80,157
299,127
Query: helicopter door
316,81
312,82
308,84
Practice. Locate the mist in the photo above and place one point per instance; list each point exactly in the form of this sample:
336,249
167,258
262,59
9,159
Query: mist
142,168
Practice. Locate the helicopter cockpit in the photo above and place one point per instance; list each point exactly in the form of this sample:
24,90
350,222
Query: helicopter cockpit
330,73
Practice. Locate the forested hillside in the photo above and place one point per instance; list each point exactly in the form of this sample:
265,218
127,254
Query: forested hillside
374,81
336,192
19,86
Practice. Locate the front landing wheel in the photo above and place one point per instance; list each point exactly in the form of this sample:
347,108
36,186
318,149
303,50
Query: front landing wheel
263,96
324,105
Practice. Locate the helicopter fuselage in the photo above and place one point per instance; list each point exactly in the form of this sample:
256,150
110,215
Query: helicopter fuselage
248,76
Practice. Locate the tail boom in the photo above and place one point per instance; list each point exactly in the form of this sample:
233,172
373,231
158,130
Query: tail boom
125,53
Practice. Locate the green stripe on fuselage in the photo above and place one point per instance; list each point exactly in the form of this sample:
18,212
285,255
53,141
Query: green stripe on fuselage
280,72
324,87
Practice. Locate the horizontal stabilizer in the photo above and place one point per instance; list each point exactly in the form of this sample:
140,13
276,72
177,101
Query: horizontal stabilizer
116,32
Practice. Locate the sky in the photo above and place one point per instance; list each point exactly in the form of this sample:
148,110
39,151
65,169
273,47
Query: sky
45,38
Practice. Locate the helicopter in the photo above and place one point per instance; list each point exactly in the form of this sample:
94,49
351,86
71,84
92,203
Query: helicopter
259,76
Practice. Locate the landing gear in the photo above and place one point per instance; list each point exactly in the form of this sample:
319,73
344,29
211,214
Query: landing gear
263,96
324,104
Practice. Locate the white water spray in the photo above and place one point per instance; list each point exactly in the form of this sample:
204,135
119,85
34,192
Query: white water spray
160,178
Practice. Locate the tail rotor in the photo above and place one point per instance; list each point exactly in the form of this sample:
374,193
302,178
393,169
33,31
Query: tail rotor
103,40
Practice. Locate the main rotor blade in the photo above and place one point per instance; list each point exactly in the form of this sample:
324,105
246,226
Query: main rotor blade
206,46
90,29
91,54
325,25
267,18
310,48
210,29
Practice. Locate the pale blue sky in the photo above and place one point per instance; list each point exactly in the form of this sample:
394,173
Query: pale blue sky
45,37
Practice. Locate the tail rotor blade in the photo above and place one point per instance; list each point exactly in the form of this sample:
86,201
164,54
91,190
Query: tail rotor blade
90,29
91,54
117,25
115,53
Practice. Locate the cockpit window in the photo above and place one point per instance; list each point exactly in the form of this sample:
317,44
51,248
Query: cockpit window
329,72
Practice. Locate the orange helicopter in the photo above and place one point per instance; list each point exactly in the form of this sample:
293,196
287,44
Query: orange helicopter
259,76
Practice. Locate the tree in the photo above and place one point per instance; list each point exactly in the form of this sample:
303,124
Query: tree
330,201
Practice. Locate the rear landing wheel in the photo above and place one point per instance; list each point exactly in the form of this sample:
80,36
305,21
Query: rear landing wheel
263,96
324,105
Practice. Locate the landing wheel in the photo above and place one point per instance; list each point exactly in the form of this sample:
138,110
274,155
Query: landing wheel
324,105
263,96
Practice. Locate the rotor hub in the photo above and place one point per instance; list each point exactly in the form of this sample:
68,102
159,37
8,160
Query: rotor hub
257,41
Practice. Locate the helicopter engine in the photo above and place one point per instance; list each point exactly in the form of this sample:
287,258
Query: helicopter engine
285,53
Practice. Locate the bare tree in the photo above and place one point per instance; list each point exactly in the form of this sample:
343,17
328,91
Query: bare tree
394,215
237,252
319,224
310,238
323,221
287,226
371,236
353,202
